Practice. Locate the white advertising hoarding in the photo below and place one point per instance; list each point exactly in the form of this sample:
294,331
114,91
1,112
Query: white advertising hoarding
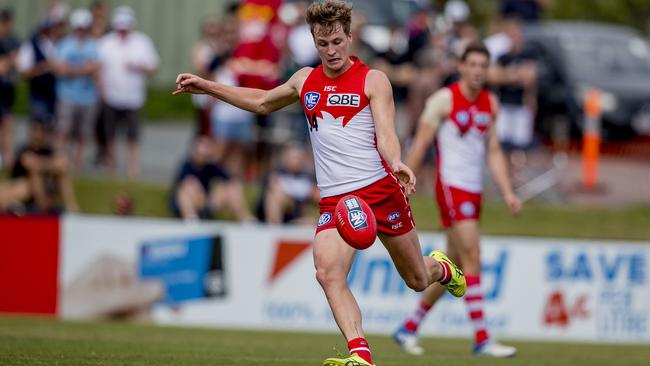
262,277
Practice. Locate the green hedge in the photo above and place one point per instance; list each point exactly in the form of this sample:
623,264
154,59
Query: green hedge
95,196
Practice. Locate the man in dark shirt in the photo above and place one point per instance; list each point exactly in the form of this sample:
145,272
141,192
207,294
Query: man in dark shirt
194,194
39,179
287,190
526,10
515,77
8,47
34,63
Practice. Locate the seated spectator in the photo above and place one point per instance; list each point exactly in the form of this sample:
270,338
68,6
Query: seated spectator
202,187
287,190
39,182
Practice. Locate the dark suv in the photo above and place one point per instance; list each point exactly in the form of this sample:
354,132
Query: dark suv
574,56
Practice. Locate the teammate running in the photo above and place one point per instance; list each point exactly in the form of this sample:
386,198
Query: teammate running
461,120
350,112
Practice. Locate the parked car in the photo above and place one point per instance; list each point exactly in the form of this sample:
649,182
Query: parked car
574,56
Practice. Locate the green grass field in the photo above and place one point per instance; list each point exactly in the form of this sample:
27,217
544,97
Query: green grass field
95,196
631,223
33,341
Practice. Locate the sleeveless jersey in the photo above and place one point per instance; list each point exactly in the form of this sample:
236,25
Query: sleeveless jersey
342,130
461,141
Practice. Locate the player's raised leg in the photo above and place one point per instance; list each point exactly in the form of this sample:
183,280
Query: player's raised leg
333,259
419,272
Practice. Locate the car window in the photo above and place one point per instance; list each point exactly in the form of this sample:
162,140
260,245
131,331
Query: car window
386,12
609,53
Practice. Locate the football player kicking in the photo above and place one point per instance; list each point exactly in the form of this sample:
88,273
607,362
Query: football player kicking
350,112
460,119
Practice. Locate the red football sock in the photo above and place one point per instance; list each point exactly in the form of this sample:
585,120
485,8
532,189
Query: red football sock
361,348
413,321
474,301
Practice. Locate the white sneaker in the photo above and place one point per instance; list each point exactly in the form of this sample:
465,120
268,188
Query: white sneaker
494,349
408,341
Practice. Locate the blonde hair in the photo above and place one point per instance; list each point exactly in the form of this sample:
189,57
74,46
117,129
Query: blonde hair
326,14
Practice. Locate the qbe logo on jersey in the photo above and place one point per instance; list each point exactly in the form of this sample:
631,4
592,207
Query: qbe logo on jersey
356,216
343,100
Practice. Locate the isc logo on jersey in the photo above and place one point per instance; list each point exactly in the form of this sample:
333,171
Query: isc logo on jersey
311,99
356,216
343,100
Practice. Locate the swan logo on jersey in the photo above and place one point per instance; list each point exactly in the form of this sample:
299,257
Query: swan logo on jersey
324,219
462,117
467,209
343,100
356,216
311,99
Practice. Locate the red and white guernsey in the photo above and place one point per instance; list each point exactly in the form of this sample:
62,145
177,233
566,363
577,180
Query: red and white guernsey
461,141
342,130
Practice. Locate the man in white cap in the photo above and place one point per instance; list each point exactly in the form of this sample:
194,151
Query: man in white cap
127,58
76,64
460,31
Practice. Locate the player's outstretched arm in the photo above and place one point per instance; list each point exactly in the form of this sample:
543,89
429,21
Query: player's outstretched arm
380,94
253,100
436,109
499,166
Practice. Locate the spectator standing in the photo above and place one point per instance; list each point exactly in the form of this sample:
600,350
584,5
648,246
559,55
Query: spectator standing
98,29
202,187
299,39
419,31
526,10
202,55
456,33
234,128
99,26
515,76
256,64
218,40
460,31
127,58
34,63
76,65
8,48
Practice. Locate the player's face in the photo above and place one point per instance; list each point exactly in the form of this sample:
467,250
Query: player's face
333,48
474,70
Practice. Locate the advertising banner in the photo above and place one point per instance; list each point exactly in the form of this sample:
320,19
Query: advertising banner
29,252
263,277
